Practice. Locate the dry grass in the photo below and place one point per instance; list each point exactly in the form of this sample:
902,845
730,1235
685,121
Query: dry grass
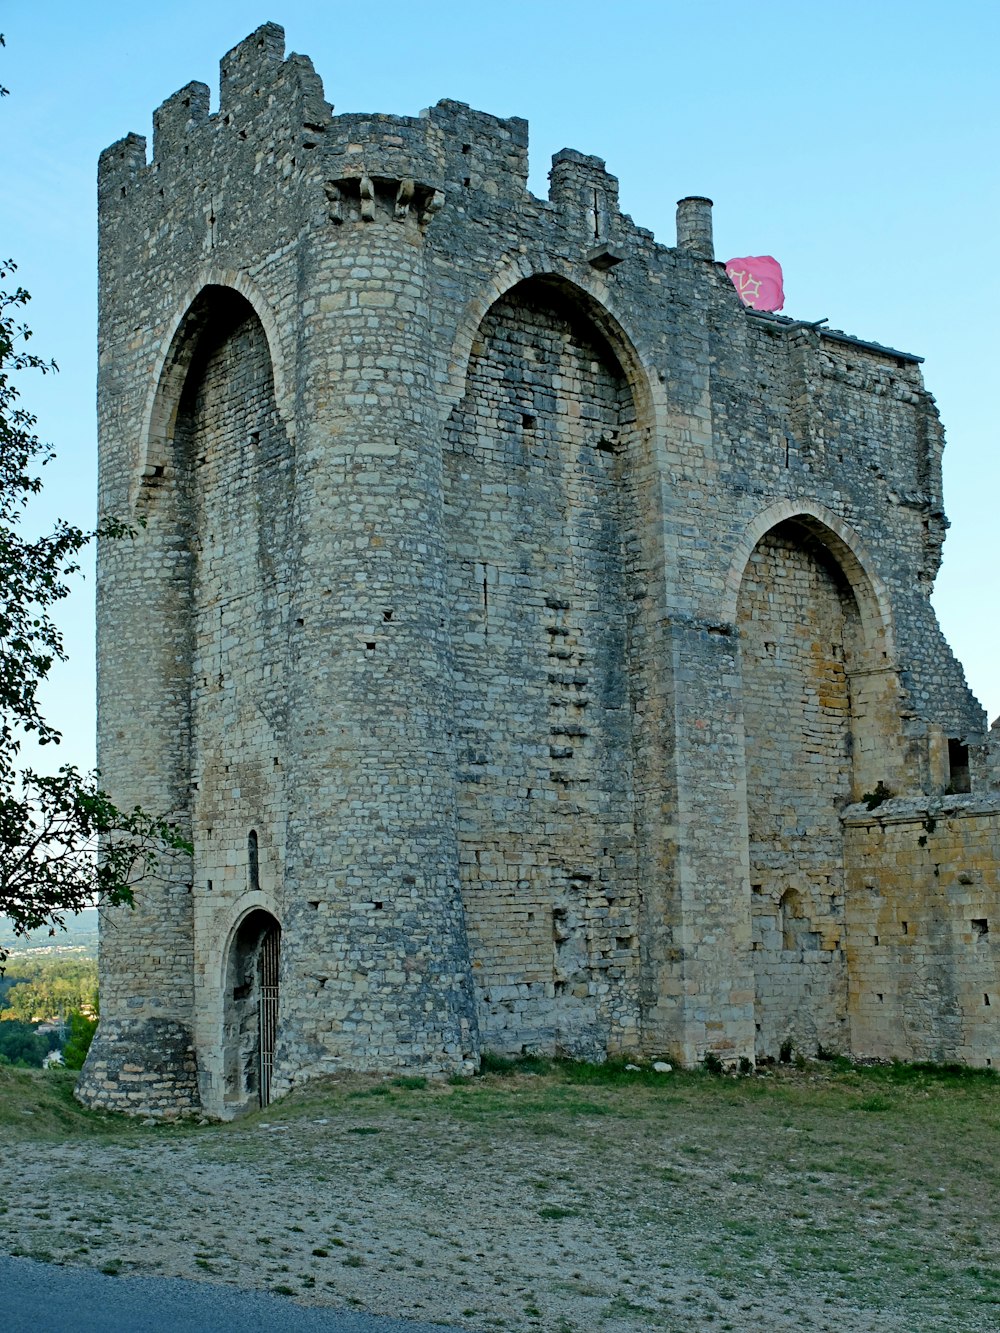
547,1197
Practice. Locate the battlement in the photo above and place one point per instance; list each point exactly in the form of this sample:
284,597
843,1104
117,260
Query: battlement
119,163
273,117
276,105
262,96
185,111
251,63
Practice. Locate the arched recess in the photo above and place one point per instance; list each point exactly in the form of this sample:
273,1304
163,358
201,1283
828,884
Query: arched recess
216,555
250,1010
195,314
220,506
591,302
846,548
548,488
820,710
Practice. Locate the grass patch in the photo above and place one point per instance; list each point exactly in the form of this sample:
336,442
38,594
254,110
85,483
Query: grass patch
493,1063
39,1104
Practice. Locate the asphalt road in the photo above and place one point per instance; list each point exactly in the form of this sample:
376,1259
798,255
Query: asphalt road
47,1298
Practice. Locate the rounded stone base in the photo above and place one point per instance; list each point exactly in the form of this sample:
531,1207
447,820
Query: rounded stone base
141,1067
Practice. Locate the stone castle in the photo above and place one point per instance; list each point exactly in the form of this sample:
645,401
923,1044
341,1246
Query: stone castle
535,642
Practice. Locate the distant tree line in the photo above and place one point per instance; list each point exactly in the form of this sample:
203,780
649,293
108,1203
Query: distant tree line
22,1045
46,990
57,991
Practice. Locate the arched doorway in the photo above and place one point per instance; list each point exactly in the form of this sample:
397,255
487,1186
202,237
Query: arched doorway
251,1011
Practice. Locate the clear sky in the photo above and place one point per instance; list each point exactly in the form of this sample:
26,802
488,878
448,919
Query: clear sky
856,142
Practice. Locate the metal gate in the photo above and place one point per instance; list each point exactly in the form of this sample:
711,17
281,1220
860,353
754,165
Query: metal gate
268,1010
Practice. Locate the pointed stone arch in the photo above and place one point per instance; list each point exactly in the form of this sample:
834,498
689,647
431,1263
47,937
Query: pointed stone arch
821,711
845,546
549,508
593,297
192,315
216,548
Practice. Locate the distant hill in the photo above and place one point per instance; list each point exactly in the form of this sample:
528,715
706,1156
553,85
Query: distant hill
78,940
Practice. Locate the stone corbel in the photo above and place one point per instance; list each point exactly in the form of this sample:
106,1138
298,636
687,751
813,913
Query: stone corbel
603,256
335,202
367,199
389,196
404,197
433,203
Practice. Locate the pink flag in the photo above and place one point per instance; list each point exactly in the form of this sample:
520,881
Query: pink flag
758,281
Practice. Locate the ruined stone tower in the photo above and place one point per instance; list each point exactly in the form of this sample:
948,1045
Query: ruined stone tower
516,624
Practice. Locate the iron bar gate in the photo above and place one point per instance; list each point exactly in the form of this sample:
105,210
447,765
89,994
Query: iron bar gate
268,1011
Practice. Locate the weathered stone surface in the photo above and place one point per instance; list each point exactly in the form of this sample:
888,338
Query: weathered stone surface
148,1065
514,618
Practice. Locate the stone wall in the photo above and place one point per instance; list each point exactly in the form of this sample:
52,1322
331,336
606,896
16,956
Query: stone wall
923,930
800,636
233,454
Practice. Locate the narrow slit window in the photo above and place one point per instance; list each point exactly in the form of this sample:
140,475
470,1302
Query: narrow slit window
959,779
253,862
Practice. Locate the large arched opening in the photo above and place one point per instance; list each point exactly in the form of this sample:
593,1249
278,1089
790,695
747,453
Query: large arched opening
811,643
217,501
542,516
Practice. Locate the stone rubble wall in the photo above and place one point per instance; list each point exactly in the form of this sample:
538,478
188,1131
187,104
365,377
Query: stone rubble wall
146,1067
800,636
540,507
923,934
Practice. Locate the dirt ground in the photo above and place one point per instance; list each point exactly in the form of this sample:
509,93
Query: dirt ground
533,1202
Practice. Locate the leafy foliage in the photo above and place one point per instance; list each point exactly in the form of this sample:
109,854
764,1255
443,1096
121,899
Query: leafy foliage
51,828
50,825
81,1034
22,1046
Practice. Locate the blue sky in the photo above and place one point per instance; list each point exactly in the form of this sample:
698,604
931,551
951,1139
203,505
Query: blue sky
857,143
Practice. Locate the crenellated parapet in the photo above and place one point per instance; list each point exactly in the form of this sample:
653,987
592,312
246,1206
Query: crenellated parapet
480,152
247,69
119,167
257,84
273,102
273,123
273,108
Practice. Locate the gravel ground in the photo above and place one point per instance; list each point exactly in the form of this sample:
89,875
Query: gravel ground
525,1203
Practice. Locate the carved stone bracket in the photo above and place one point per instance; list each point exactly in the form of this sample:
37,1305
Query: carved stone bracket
368,198
404,197
603,257
367,194
335,203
